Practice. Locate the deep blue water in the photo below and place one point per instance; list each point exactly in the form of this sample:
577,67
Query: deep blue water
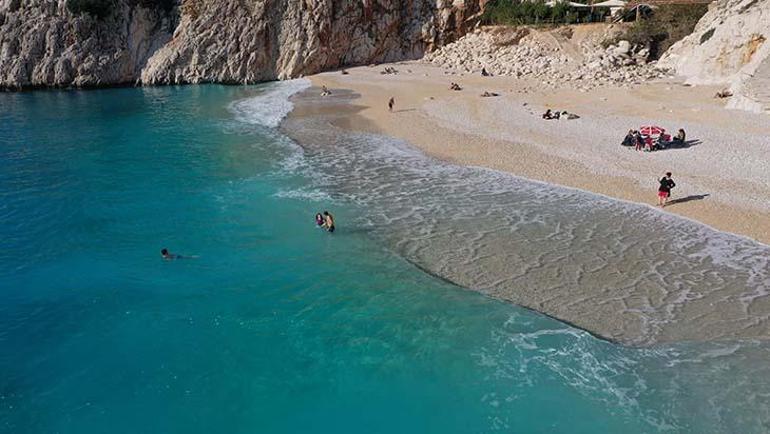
276,326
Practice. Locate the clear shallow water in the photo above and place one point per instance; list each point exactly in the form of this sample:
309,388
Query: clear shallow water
624,270
278,327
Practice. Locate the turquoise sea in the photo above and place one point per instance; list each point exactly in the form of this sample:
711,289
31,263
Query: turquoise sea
276,326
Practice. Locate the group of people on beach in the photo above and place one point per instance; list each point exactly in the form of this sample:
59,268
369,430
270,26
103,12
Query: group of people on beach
551,115
636,139
325,221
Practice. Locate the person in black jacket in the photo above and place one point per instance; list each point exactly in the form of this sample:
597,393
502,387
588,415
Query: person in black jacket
664,190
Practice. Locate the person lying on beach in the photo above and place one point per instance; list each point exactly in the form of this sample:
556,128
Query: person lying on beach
679,138
389,70
664,190
391,103
328,221
629,140
489,94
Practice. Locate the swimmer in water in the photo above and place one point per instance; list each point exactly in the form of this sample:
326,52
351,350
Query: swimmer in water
319,219
168,256
328,221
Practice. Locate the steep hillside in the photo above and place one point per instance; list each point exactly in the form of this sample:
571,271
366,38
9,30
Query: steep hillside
729,46
42,43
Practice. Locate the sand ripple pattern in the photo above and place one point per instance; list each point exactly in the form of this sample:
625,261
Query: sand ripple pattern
624,271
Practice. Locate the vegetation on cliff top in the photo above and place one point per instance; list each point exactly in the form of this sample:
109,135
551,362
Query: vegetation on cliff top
95,8
103,8
517,12
667,25
657,31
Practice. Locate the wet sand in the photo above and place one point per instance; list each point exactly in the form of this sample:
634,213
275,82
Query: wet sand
623,271
723,179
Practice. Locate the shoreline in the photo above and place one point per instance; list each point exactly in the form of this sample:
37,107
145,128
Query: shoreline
460,128
610,285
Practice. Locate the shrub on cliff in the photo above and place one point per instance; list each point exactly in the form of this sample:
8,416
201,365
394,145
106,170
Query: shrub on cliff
518,12
667,25
95,8
103,8
161,5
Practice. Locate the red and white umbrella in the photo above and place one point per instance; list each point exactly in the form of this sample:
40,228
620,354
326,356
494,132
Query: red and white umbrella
651,130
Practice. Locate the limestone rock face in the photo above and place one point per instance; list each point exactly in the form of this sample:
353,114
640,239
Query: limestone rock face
729,46
42,44
230,41
246,41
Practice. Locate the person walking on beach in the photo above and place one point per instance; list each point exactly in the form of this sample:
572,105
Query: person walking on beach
664,191
391,103
328,221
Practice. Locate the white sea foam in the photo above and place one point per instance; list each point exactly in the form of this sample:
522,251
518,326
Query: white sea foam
270,106
310,195
566,252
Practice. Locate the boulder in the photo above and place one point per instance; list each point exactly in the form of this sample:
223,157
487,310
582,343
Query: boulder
728,47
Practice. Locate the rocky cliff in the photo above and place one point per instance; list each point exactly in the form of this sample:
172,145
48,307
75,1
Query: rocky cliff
729,46
232,41
42,44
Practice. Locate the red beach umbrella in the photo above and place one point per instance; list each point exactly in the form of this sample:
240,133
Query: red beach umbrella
651,130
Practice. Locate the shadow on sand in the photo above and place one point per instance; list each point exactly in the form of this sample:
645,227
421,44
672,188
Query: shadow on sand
688,199
685,145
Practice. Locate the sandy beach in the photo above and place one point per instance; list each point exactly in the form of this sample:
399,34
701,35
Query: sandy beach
723,178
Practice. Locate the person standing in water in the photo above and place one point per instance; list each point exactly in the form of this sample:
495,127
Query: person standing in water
664,191
328,221
391,103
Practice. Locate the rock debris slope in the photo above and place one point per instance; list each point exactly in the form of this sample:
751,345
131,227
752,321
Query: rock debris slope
574,55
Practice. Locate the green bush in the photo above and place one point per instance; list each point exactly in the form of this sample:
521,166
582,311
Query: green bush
95,8
667,25
103,8
162,5
706,35
518,12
